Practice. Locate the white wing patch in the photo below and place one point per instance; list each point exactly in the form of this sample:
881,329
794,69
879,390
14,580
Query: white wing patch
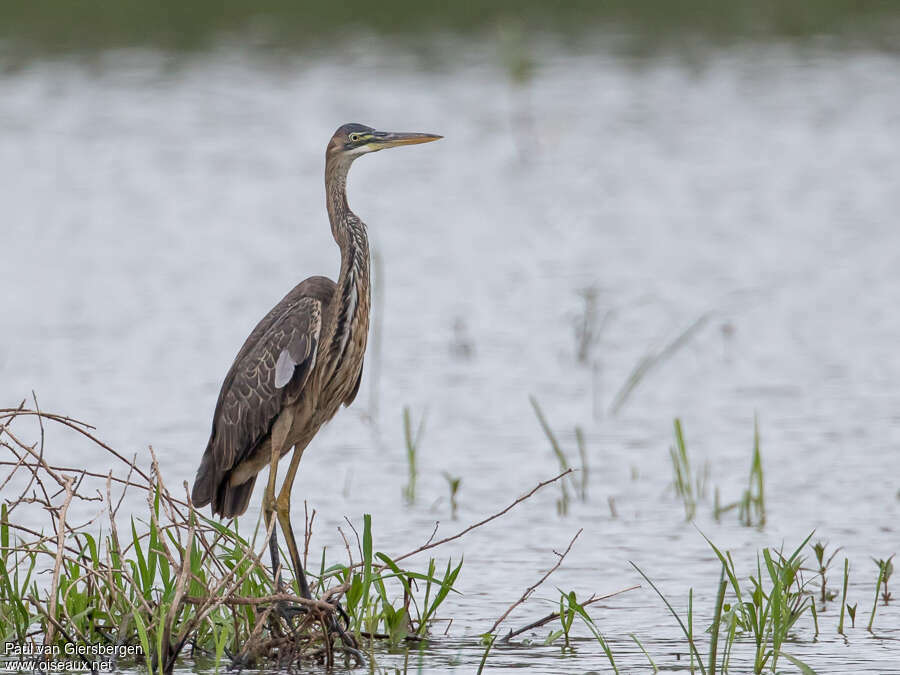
284,369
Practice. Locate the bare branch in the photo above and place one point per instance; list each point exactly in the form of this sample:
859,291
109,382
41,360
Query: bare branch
532,588
555,615
433,544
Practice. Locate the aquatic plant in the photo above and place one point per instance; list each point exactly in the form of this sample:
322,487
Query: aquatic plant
16,571
822,565
453,483
653,359
587,331
645,652
569,609
562,504
175,578
585,471
885,569
886,566
844,598
412,448
687,486
752,504
766,610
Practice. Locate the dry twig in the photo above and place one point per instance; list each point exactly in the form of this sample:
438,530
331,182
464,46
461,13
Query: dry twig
531,589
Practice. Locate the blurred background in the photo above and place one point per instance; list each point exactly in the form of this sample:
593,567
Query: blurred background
640,211
47,26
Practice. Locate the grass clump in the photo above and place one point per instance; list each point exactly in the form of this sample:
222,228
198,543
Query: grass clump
569,610
180,579
411,441
764,610
570,485
751,506
169,582
687,486
371,610
885,570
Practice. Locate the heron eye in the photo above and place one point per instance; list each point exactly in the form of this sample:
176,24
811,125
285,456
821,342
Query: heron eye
354,138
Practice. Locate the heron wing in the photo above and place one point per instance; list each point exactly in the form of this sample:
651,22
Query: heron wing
269,372
270,375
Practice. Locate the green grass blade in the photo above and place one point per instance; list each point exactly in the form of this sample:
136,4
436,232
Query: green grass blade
717,618
875,604
674,614
805,669
646,653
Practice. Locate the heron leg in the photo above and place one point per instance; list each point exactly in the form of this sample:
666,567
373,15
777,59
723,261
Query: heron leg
283,510
269,516
277,439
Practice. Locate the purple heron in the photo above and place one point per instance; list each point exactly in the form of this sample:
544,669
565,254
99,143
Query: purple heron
301,362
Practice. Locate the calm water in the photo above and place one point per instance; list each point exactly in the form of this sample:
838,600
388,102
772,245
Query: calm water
153,210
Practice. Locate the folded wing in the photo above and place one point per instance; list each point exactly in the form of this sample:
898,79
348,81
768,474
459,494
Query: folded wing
269,373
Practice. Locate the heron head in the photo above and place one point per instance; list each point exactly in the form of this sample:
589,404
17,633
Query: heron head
352,140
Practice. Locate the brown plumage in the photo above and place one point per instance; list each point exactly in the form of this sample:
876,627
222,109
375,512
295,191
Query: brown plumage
301,362
249,401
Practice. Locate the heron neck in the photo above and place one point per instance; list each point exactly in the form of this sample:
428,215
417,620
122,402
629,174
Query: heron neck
350,234
343,220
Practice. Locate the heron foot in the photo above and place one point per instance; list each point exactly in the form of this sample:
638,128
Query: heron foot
288,618
288,611
240,662
350,646
343,632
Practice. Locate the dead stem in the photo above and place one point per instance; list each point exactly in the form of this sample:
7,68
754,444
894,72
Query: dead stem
531,589
555,615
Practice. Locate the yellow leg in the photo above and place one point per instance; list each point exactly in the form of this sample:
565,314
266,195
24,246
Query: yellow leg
278,438
283,509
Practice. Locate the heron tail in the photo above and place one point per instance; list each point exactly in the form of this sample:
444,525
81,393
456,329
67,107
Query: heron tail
204,483
212,487
233,500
